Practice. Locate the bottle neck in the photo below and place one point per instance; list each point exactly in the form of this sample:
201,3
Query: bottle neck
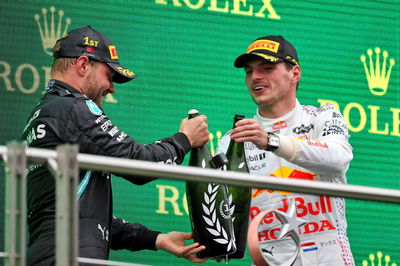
235,148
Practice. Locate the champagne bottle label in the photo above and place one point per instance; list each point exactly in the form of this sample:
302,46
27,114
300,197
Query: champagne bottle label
208,207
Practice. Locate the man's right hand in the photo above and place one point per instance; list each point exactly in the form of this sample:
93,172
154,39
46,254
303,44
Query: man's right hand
196,129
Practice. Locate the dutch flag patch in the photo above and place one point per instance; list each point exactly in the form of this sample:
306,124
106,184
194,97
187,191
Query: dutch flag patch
310,246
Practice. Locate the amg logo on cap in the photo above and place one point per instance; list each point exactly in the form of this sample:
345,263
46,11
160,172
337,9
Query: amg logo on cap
113,52
264,44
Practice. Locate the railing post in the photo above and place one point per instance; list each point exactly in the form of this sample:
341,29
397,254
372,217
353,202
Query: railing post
15,209
67,206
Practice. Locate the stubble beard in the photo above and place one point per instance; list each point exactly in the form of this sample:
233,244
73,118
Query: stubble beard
94,92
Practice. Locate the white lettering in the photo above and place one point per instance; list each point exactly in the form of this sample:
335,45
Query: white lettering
121,136
98,120
33,134
36,114
41,132
113,131
105,125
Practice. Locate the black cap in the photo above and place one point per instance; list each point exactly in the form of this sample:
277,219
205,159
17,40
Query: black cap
88,42
274,49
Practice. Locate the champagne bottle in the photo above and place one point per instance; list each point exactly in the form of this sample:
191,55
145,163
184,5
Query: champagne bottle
208,206
239,197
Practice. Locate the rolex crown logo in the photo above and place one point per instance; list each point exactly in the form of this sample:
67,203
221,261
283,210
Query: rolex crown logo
50,35
377,75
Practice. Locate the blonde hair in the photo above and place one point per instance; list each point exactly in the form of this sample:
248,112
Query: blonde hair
62,64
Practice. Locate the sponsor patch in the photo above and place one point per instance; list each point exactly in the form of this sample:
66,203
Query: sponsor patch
257,167
317,143
279,125
303,129
268,57
125,71
256,157
310,109
113,52
285,172
335,127
264,45
94,109
327,107
249,146
332,130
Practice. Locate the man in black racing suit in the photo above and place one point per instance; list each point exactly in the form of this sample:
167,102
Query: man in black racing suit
85,67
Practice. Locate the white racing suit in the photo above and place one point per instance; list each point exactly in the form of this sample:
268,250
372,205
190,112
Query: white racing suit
313,146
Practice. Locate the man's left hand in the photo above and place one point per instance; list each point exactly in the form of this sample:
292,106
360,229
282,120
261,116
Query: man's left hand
174,242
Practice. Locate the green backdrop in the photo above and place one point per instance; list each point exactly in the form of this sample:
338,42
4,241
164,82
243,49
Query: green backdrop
183,51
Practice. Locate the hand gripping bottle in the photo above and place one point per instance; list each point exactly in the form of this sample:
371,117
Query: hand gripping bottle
239,198
208,206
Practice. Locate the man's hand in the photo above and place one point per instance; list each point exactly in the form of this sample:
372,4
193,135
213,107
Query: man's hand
174,242
196,130
250,130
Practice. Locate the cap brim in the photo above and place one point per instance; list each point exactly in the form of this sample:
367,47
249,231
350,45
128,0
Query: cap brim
242,60
122,74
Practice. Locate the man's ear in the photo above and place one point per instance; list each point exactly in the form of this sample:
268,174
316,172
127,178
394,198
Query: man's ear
296,72
82,65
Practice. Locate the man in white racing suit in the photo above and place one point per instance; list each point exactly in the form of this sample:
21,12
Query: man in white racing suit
290,140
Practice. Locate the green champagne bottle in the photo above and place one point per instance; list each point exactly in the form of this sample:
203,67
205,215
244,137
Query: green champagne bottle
208,206
239,197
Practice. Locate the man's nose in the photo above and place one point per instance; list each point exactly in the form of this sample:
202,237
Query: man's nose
256,74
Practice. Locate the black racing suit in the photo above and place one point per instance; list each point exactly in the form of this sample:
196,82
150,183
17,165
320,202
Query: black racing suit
66,116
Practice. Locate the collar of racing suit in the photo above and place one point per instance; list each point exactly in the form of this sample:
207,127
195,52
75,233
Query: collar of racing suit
289,116
63,89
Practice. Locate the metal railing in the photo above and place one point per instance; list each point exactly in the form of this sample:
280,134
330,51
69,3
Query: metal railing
65,162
